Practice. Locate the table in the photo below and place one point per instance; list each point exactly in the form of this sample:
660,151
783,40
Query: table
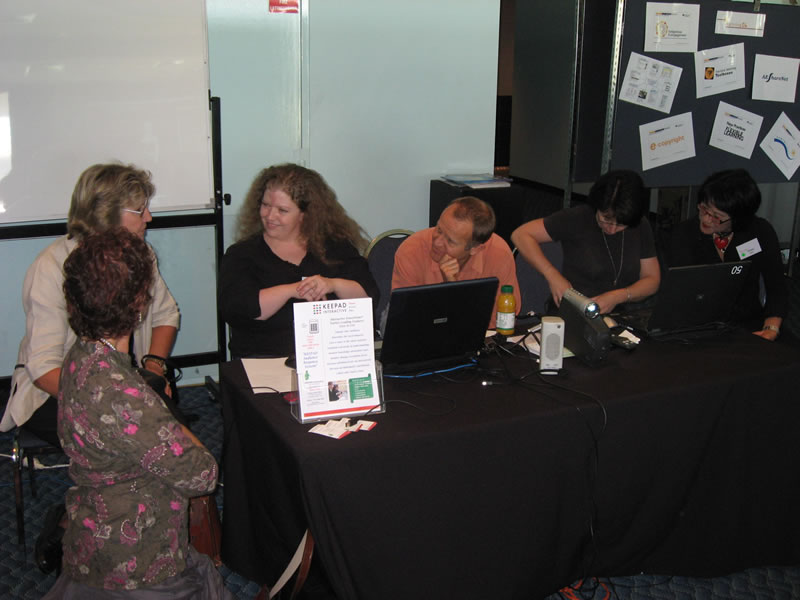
513,491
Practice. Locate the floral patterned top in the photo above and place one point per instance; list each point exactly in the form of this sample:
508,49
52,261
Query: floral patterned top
134,471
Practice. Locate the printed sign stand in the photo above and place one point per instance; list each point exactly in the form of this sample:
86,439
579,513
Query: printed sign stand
337,374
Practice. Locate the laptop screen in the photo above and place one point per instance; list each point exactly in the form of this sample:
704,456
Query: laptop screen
697,295
438,325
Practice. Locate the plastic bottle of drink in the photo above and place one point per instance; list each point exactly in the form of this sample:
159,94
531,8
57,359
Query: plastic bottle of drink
506,310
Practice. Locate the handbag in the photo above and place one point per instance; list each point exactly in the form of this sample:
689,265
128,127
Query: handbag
205,528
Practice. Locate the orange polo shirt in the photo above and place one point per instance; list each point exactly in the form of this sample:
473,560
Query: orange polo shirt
413,264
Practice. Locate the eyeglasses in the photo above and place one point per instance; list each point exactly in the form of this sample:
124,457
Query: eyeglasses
705,211
602,221
139,212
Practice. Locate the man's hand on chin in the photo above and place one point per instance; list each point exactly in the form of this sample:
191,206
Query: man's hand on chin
449,268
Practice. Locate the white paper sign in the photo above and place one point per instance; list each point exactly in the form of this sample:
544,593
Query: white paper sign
775,78
735,130
335,358
666,141
739,23
671,27
782,145
650,83
719,70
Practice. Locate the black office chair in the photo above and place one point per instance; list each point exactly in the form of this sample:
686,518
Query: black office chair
791,324
27,447
380,256
532,285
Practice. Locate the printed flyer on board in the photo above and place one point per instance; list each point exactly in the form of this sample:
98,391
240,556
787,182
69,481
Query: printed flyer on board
335,355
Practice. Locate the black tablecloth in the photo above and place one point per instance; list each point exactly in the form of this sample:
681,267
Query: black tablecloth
674,458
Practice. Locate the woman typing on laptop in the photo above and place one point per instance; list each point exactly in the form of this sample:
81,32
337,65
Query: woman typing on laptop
727,229
609,252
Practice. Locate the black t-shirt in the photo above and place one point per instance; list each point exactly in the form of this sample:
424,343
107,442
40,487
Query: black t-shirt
250,265
592,259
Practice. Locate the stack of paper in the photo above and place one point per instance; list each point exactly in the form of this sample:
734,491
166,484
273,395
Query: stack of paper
477,180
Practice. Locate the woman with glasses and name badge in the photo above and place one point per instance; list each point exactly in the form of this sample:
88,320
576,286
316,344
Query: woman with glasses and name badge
609,252
727,229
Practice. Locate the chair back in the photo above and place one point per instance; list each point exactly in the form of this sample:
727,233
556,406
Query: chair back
380,257
791,324
533,286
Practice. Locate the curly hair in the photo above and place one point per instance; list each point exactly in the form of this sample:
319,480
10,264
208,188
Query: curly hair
100,194
324,219
107,279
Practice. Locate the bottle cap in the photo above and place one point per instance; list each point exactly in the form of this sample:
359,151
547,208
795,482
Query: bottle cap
507,289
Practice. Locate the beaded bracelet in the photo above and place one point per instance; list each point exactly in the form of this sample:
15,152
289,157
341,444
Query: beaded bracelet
160,361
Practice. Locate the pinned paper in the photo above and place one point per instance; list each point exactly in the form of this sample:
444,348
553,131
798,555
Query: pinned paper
740,23
782,145
775,78
735,130
666,141
650,83
671,27
719,70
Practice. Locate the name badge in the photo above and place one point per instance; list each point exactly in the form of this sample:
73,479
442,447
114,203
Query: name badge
748,248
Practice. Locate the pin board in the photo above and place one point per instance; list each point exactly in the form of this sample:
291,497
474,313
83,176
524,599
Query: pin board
779,39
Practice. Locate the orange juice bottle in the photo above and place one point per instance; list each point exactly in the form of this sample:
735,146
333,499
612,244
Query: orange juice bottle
506,310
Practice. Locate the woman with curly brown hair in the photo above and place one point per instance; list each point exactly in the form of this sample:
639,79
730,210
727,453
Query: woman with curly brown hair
295,242
134,466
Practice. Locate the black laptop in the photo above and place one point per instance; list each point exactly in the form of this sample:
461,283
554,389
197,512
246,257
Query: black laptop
691,298
433,327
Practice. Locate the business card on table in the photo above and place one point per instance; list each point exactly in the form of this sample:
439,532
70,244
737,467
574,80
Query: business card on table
338,429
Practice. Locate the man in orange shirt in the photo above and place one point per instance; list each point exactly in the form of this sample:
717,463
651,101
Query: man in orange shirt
462,246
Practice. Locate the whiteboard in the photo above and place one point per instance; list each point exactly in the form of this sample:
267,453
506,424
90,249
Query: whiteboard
88,81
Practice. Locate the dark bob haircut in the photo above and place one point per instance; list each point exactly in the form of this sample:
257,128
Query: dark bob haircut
107,280
621,194
734,192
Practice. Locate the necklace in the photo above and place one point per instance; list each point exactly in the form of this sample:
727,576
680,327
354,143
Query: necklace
721,240
105,342
615,271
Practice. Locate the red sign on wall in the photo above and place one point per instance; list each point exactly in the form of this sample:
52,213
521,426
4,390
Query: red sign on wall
284,6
